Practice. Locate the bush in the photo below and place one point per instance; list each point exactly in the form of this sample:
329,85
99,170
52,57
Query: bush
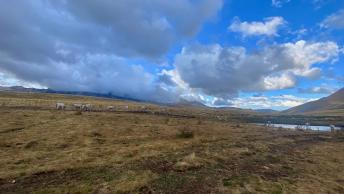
78,112
31,144
95,134
199,122
185,134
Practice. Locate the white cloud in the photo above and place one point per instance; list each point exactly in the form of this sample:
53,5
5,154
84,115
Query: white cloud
223,72
8,80
335,21
279,3
323,89
316,3
281,102
92,72
282,81
319,3
306,54
268,27
300,33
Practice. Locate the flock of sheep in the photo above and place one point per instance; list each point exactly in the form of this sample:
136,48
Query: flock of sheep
85,107
88,107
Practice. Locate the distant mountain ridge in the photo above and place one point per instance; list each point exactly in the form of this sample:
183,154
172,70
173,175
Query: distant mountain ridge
181,103
267,111
50,91
331,105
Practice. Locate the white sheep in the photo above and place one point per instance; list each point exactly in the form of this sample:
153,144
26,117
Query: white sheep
111,108
77,106
60,106
86,107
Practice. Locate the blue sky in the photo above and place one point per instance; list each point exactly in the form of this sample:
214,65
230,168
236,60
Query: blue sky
249,54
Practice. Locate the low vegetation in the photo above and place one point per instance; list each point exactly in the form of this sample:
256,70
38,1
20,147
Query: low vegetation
78,112
185,133
43,150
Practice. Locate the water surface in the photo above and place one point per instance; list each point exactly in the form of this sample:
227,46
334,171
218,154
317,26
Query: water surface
311,127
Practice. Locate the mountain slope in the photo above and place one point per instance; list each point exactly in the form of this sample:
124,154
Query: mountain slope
78,93
266,111
331,105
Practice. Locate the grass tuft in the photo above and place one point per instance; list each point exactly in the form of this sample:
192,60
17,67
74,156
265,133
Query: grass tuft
31,144
186,134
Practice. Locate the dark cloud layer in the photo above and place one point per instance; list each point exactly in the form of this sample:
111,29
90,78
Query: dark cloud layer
145,27
88,45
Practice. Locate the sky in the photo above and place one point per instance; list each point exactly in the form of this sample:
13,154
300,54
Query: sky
257,54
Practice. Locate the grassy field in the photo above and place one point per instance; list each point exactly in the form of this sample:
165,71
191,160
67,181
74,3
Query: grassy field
163,150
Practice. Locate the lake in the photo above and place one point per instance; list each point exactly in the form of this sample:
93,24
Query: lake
311,127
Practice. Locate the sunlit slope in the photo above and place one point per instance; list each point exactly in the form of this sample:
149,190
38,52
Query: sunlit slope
331,105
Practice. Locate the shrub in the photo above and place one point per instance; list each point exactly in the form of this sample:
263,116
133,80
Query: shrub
95,134
78,112
31,144
199,122
185,134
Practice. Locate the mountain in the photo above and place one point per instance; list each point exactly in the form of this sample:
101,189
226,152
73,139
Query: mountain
267,111
186,103
19,89
50,91
331,105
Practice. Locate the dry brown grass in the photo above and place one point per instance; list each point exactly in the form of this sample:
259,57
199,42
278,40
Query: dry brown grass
48,151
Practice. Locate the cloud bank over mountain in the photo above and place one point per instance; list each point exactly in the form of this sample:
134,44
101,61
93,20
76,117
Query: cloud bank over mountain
87,45
117,46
